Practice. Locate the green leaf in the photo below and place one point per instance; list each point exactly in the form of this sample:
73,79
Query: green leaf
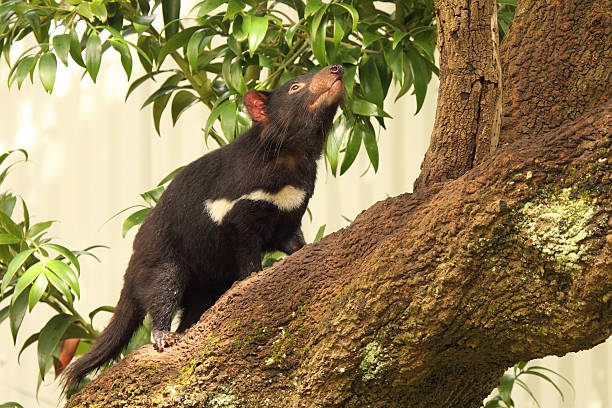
24,67
126,56
11,404
38,228
171,10
84,9
161,97
75,48
352,149
93,313
228,119
7,203
338,31
193,49
98,9
398,36
317,35
14,266
421,75
336,137
59,285
393,58
528,391
142,23
164,90
50,338
214,114
152,196
233,7
66,253
134,219
4,312
352,11
320,233
182,100
28,277
93,55
205,7
16,314
257,32
290,33
9,225
349,78
179,40
369,141
505,389
531,371
8,239
66,274
37,290
143,79
170,176
61,45
362,107
371,82
312,6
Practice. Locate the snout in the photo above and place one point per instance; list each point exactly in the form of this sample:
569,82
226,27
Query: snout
336,69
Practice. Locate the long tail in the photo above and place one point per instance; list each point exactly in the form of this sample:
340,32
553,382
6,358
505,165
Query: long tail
126,319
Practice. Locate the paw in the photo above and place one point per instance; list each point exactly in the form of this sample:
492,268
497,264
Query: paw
163,339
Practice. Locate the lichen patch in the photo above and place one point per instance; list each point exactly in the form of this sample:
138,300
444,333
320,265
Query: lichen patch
374,361
557,227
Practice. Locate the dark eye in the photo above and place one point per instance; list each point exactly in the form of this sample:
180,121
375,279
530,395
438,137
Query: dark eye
295,87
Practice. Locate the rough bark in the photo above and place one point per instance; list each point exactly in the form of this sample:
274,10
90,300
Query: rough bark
426,298
557,64
467,123
423,301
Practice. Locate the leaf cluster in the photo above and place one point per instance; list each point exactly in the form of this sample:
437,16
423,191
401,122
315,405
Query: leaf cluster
503,399
35,270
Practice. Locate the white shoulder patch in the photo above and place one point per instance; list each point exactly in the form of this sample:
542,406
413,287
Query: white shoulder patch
286,199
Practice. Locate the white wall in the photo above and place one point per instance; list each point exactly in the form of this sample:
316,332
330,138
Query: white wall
92,154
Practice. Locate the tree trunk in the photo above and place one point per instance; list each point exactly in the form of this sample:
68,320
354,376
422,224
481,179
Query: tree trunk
426,298
466,129
557,64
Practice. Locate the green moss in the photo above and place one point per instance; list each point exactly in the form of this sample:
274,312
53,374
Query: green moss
374,360
281,346
557,227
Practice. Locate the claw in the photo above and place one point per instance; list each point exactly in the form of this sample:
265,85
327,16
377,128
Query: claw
163,339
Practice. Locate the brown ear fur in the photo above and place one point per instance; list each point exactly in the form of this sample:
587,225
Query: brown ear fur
255,102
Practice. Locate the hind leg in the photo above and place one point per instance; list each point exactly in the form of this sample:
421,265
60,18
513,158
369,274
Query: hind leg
165,295
193,308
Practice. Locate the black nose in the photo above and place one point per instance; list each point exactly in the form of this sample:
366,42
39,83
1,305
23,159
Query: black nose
336,69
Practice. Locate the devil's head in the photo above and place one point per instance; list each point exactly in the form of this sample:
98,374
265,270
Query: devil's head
304,104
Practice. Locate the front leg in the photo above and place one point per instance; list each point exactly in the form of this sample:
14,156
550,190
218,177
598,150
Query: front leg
248,255
293,243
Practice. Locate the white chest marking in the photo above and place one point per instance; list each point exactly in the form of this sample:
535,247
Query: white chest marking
286,199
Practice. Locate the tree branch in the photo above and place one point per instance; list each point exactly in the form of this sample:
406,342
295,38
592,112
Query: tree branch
423,301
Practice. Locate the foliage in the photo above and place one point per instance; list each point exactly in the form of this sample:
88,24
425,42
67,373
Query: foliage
503,398
209,55
34,270
213,54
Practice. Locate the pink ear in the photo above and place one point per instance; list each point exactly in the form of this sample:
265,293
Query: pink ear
255,103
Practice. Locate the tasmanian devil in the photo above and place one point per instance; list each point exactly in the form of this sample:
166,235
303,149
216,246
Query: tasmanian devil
220,213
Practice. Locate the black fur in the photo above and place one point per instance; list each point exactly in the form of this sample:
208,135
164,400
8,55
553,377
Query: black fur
182,258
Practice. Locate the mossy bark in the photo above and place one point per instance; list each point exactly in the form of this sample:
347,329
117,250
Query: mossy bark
423,301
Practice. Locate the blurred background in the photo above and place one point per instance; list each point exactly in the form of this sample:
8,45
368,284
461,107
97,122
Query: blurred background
92,154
